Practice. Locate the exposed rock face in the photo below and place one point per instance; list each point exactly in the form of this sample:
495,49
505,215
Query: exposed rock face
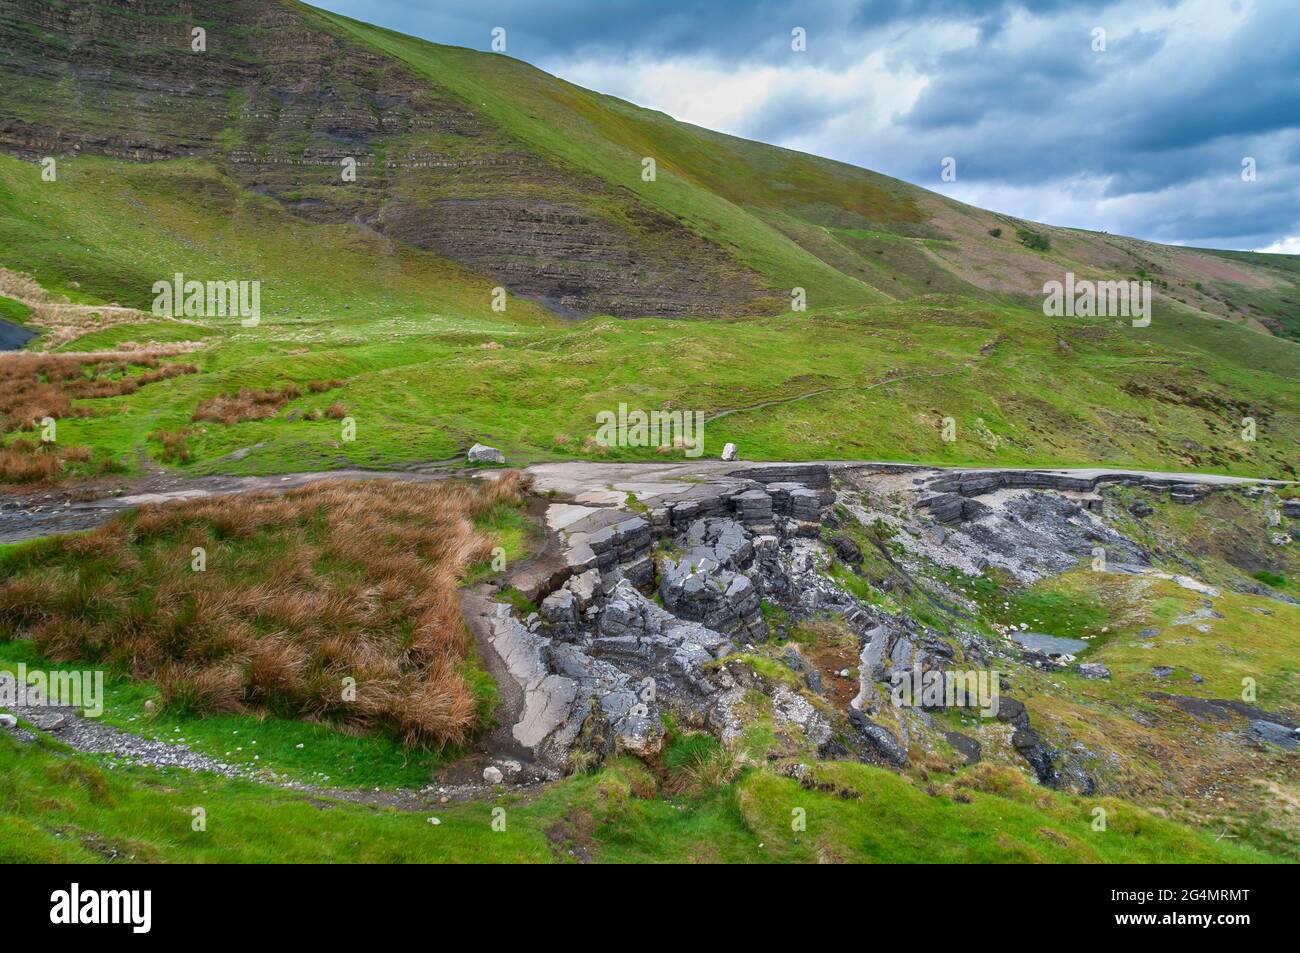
895,646
1028,533
879,738
607,682
950,496
601,662
612,660
708,582
1271,733
430,169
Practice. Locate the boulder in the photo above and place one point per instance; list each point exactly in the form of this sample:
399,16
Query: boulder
848,551
753,506
875,653
791,708
1012,712
707,584
1030,746
584,587
492,774
640,736
805,504
1094,670
479,453
964,745
560,608
730,454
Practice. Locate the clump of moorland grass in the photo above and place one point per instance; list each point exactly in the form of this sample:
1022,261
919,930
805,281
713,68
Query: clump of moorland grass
36,386
252,403
30,461
337,602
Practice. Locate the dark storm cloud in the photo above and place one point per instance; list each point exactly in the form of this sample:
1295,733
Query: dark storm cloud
731,28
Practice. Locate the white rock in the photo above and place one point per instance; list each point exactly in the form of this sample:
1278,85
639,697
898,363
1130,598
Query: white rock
730,454
479,453
8,721
434,821
492,774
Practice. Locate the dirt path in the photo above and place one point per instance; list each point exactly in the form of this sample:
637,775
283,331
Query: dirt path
68,727
69,509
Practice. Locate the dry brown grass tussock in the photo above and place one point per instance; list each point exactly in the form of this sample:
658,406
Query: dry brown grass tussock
302,592
36,386
254,403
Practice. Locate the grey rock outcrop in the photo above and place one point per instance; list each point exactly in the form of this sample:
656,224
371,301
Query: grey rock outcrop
707,583
1270,733
879,739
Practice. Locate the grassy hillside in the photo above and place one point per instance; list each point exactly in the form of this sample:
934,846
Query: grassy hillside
426,366
537,182
843,222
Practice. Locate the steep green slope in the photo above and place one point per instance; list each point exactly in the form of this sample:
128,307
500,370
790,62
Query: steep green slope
121,79
892,237
535,182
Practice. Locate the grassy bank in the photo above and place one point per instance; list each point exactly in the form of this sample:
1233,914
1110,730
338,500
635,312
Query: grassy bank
60,807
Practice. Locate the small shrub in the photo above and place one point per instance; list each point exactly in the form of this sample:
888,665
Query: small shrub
1034,240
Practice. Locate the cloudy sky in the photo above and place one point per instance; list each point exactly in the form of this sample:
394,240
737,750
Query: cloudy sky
1145,137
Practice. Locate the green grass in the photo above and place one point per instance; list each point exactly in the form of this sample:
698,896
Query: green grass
520,603
328,757
59,807
13,311
1050,607
1274,579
